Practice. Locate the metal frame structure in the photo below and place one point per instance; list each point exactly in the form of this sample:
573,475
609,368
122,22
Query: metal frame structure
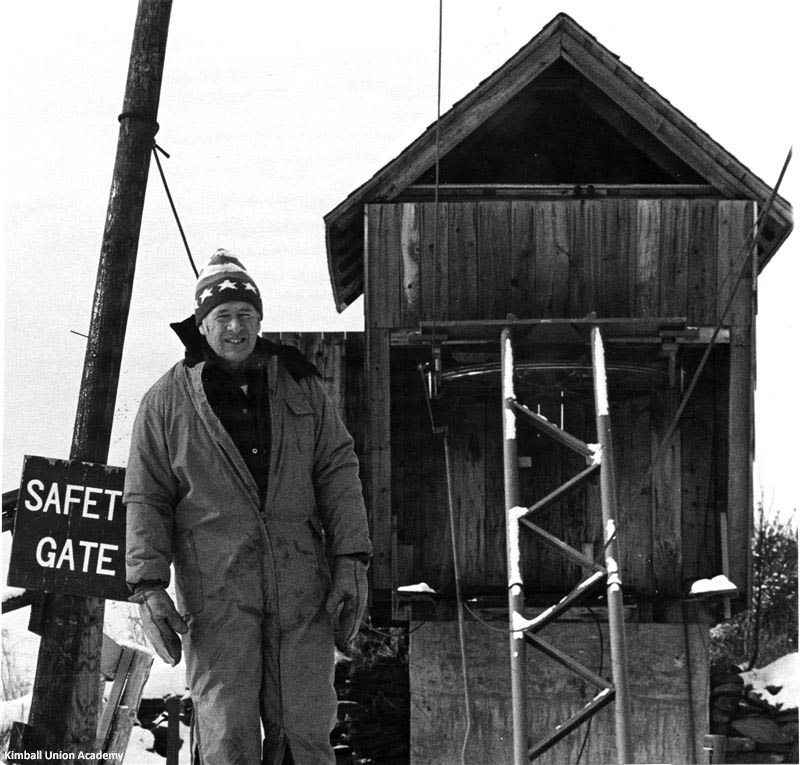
524,631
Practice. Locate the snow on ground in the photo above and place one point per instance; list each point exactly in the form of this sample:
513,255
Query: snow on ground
777,683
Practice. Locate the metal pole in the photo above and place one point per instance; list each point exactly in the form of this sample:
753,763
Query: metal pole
516,595
608,501
63,716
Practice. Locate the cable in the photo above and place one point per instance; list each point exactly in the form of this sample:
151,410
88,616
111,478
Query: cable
459,598
744,254
599,672
156,149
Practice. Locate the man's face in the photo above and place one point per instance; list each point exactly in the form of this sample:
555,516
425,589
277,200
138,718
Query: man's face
231,330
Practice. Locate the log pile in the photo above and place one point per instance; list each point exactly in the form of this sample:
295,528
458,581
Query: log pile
374,704
755,730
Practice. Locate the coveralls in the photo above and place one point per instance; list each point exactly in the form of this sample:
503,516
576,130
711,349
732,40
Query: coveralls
251,577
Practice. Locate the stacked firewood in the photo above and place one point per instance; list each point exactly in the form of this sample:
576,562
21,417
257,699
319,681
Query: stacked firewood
373,692
755,730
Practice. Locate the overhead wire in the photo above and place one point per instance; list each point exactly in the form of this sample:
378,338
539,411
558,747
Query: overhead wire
156,150
743,256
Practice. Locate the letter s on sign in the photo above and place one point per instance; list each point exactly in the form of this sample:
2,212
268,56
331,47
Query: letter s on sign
33,484
49,561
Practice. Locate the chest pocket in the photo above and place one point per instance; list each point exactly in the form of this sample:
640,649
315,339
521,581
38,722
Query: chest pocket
298,424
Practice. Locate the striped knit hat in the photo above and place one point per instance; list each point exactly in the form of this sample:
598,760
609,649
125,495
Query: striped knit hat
224,280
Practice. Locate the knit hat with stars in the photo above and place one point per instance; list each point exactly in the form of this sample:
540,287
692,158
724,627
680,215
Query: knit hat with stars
224,280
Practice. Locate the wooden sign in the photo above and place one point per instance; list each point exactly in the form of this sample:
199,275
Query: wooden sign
69,529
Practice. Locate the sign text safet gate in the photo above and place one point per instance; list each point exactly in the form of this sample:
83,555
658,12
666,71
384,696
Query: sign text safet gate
69,531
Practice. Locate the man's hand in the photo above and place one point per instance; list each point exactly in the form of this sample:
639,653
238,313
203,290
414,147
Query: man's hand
161,622
350,591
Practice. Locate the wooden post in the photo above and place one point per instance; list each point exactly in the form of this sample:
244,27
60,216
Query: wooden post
64,707
736,222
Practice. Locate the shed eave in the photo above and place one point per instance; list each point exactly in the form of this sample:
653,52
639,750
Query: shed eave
560,38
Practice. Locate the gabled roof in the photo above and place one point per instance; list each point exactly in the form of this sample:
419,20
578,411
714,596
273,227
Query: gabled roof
676,143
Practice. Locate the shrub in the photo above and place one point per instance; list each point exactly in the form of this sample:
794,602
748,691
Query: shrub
768,630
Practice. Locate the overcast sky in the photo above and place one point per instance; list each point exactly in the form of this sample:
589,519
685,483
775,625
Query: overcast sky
272,116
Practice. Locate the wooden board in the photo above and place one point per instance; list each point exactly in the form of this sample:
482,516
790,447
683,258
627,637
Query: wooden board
522,271
462,238
409,261
735,226
552,252
630,423
668,693
673,275
585,256
666,497
434,260
494,259
648,233
702,263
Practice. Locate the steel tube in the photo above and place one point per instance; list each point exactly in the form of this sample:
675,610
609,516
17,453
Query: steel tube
608,502
516,595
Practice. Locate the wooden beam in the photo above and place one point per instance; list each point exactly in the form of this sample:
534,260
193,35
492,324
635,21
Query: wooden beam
64,706
735,223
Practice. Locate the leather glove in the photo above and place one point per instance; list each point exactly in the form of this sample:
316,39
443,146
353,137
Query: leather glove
349,591
161,622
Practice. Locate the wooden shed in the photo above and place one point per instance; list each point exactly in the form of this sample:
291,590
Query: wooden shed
566,188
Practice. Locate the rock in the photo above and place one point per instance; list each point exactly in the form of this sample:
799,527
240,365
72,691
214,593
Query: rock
727,678
718,717
762,730
727,689
726,703
740,744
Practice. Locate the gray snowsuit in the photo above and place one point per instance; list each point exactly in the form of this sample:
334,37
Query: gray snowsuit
251,579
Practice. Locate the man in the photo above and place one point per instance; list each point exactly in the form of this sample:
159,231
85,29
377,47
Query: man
242,475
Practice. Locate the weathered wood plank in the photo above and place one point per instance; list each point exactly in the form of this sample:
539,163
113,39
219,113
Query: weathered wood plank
543,568
379,454
574,509
462,237
735,226
674,257
494,528
522,268
552,253
702,265
666,493
409,261
698,466
383,268
630,421
648,230
410,425
661,705
468,454
494,259
586,244
617,246
434,261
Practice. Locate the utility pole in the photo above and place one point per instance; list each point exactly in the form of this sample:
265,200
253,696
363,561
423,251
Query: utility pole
64,707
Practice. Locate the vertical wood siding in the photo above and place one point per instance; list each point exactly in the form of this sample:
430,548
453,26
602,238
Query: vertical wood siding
550,259
617,257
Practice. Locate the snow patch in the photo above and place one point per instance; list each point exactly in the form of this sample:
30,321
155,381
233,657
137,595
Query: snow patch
14,710
11,592
165,681
718,585
782,674
421,587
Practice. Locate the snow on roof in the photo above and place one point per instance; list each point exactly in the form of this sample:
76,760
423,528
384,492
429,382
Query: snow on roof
718,585
421,587
777,683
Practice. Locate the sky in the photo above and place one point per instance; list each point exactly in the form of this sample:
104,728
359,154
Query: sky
272,114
